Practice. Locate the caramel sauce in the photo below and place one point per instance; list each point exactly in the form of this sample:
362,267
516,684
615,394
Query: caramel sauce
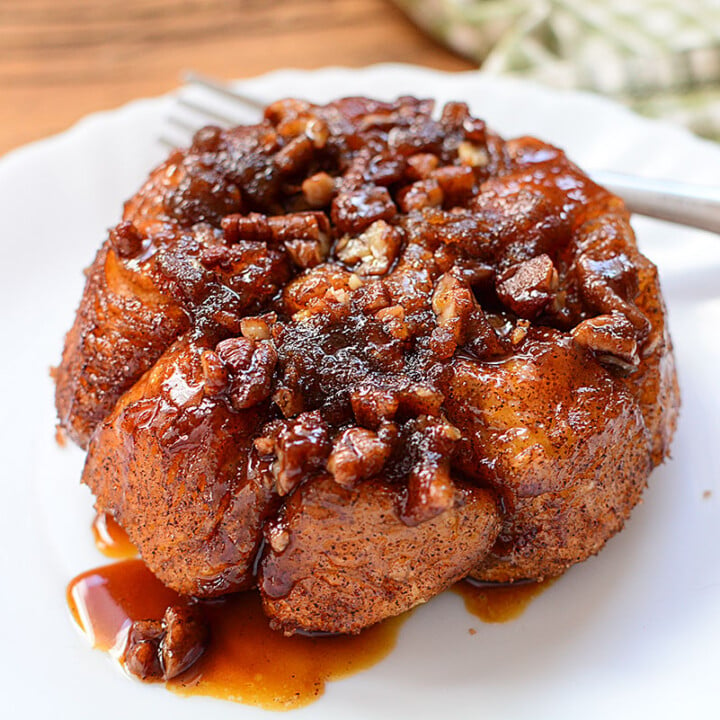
110,539
246,661
496,602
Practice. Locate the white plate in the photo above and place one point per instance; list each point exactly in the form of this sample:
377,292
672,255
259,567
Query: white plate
632,633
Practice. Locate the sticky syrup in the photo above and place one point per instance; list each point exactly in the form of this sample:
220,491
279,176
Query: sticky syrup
497,603
110,539
246,661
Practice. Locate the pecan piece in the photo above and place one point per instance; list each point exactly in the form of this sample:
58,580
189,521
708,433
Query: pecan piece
373,251
456,182
358,454
421,194
430,489
318,190
472,155
354,210
125,240
258,327
163,649
250,368
421,165
373,405
528,287
461,321
301,447
613,339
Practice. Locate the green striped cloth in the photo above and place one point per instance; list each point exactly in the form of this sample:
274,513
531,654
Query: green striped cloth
658,56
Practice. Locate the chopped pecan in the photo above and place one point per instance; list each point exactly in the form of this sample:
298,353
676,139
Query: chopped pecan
430,442
318,190
250,367
301,447
215,256
373,251
461,321
125,240
609,285
372,405
393,320
372,297
359,454
456,182
257,227
528,287
258,327
316,290
385,169
453,303
519,331
421,165
215,372
420,399
277,535
185,640
317,132
207,139
286,110
421,194
613,339
473,155
308,253
163,649
142,651
295,156
354,210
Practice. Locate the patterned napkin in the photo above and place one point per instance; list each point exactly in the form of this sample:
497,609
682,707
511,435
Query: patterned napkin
661,57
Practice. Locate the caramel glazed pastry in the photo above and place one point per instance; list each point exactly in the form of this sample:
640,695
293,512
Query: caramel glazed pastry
353,354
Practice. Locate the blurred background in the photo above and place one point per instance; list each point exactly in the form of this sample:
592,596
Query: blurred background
61,59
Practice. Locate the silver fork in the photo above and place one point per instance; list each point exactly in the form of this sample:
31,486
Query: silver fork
682,203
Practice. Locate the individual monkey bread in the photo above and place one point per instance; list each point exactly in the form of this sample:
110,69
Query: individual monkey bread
353,354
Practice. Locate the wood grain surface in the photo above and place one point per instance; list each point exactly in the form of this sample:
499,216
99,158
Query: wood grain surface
61,59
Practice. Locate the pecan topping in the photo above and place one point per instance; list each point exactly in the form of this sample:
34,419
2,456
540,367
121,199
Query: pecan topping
359,454
215,372
163,649
318,190
301,447
457,183
421,194
354,210
461,321
125,240
430,489
613,339
250,367
527,288
421,165
373,251
472,155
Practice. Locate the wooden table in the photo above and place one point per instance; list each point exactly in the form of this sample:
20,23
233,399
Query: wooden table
61,59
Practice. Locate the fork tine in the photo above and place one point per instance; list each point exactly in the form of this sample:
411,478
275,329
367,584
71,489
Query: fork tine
182,124
208,83
214,103
207,112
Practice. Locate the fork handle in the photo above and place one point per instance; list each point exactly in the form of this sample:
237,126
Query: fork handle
688,204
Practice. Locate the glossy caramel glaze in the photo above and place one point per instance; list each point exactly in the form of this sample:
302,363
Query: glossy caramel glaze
374,320
110,539
499,603
247,661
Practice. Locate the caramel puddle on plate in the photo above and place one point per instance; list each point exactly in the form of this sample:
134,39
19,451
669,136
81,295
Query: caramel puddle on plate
246,661
496,602
110,539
